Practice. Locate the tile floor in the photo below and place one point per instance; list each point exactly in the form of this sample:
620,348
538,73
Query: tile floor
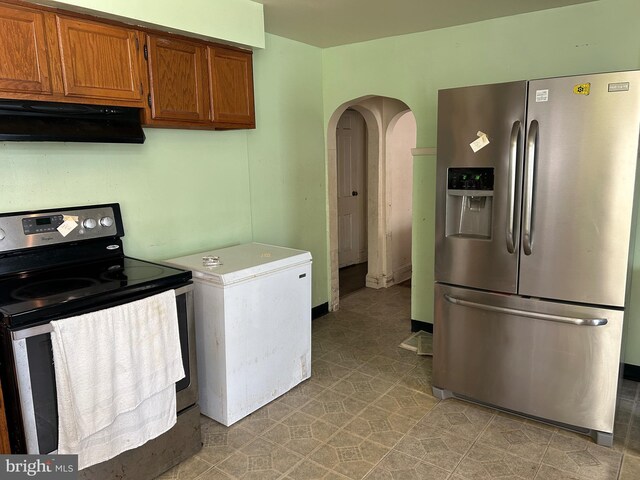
367,413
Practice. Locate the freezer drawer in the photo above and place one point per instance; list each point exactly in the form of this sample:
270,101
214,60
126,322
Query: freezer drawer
529,356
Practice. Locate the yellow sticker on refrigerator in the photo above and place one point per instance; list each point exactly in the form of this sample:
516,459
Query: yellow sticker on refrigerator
582,89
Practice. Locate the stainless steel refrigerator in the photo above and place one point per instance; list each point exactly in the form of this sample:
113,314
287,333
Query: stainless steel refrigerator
534,238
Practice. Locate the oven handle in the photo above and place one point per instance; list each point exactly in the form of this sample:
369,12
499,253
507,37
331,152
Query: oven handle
46,328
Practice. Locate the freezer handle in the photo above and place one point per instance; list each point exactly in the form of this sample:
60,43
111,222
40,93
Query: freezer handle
532,139
584,322
513,159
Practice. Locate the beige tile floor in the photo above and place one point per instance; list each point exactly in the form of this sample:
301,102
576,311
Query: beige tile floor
367,413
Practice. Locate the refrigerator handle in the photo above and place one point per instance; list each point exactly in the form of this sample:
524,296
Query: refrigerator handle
513,162
532,139
582,322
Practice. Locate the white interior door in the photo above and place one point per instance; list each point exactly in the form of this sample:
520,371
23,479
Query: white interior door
352,217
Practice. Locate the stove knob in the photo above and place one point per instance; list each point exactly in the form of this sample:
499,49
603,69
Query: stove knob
89,223
2,234
106,221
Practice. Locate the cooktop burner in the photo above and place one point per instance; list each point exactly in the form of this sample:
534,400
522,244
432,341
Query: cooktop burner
39,295
132,272
47,288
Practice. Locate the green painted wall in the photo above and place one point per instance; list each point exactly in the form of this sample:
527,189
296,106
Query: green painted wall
286,154
592,37
181,192
237,21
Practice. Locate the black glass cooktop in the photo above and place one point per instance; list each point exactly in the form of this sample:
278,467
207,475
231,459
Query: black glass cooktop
41,296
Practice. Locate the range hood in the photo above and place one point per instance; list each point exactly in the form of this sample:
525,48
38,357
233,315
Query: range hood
28,121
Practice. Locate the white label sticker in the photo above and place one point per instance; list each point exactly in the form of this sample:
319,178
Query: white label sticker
619,87
72,218
480,142
67,227
542,95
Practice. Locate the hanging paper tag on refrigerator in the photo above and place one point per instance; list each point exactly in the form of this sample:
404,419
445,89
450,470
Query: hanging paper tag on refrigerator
481,142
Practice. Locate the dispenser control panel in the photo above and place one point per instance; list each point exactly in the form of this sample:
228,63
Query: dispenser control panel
470,202
470,179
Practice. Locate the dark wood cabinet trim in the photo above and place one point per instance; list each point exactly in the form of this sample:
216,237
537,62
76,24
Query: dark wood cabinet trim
5,446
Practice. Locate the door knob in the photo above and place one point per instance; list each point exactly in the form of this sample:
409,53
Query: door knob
354,194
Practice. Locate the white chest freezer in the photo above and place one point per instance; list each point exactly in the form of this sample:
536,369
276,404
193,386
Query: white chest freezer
253,325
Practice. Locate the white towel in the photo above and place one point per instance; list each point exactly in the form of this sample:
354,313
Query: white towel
115,376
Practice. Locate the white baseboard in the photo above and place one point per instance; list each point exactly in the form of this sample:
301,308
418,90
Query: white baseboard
401,274
378,282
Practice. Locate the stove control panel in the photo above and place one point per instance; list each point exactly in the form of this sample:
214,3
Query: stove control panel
31,225
24,230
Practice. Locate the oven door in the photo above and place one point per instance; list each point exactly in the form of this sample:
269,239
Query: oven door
36,384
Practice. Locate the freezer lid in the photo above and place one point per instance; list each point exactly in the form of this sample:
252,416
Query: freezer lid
241,262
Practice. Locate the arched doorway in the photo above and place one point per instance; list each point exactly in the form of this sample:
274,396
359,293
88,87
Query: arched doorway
382,115
351,145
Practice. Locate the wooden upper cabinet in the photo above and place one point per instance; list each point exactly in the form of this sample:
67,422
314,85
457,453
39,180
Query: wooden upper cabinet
231,85
24,60
178,82
99,61
50,55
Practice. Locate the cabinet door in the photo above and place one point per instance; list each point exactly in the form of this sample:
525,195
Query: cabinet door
178,78
99,61
24,60
231,77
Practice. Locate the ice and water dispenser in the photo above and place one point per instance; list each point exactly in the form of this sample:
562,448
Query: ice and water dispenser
469,202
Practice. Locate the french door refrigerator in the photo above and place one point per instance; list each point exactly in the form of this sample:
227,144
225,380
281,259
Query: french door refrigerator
534,237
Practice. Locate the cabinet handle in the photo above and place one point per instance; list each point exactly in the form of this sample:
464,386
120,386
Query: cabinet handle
149,100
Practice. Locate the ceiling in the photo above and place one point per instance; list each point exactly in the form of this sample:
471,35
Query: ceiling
327,23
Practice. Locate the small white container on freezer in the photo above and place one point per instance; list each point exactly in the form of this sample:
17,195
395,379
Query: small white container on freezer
253,325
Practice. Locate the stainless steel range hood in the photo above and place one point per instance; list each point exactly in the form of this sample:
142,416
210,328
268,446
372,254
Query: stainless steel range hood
28,121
